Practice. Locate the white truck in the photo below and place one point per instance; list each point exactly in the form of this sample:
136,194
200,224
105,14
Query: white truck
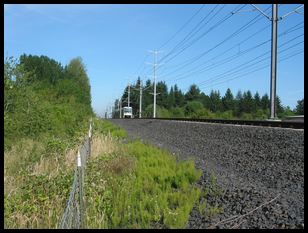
127,112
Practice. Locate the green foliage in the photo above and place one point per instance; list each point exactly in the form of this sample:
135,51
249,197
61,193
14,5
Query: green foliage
40,197
193,93
285,113
177,112
42,98
162,112
192,108
106,127
46,111
242,106
43,67
140,187
261,114
228,101
299,109
226,115
246,116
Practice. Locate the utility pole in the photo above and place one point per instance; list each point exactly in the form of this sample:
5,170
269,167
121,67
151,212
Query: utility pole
140,99
154,70
120,107
128,94
274,60
273,76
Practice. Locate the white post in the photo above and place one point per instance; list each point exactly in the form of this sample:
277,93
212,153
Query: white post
140,101
120,108
128,94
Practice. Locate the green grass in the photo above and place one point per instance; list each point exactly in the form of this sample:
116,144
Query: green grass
131,185
140,186
104,127
37,181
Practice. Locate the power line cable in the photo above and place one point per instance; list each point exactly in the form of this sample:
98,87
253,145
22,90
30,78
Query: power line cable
230,58
183,26
241,29
241,66
259,68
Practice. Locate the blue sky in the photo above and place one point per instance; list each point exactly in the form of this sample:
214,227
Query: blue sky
114,39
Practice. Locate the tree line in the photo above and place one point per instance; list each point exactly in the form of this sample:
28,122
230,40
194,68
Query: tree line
196,104
43,99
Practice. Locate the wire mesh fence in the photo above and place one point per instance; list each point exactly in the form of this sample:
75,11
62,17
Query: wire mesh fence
73,216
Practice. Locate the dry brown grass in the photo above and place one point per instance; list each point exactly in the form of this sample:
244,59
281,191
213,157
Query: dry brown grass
103,144
14,159
120,165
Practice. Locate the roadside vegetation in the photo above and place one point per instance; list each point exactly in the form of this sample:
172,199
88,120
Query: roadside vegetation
47,108
135,185
46,112
197,104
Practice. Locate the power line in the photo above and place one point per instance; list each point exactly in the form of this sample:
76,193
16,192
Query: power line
183,26
189,35
224,52
259,68
191,43
241,29
241,66
230,58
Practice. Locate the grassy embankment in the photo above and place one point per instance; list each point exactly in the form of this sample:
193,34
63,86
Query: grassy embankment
136,185
130,185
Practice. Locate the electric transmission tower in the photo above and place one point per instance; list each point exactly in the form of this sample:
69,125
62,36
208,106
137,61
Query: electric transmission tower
273,75
155,52
140,99
128,100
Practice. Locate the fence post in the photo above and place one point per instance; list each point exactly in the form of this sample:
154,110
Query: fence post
80,190
90,138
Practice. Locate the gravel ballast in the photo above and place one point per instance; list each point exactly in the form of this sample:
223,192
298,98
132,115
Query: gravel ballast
259,169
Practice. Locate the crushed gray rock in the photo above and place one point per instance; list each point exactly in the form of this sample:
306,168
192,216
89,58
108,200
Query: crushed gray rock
253,165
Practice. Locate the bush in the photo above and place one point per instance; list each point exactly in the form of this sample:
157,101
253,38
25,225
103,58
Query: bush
177,112
246,116
192,108
227,115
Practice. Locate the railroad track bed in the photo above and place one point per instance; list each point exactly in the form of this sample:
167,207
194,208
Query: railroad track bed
295,123
260,170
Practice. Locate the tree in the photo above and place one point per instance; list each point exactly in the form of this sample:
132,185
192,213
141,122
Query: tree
205,99
215,101
238,103
228,101
43,67
299,109
247,103
193,93
147,98
192,108
171,98
43,99
265,102
162,97
179,97
76,71
279,107
257,102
